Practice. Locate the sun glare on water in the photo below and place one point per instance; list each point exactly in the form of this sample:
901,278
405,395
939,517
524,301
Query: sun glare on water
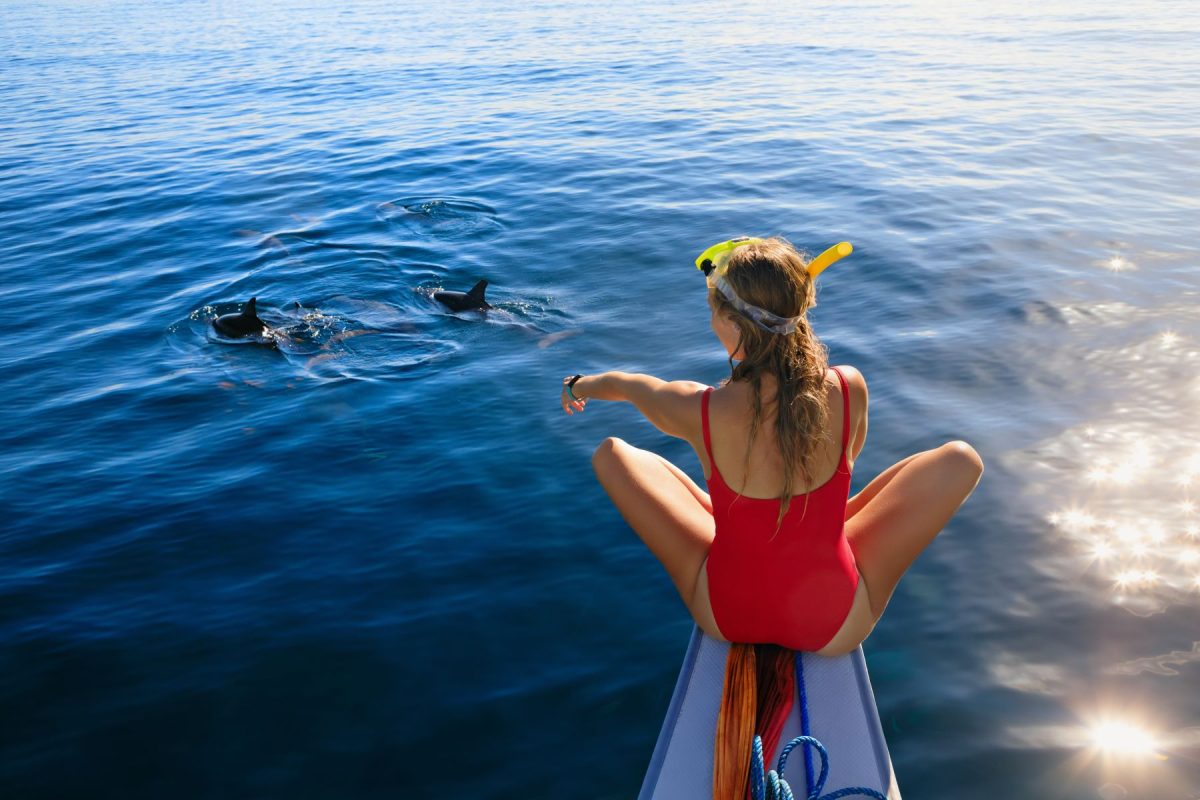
1119,738
1129,482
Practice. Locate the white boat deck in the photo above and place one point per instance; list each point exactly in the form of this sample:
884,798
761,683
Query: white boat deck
841,714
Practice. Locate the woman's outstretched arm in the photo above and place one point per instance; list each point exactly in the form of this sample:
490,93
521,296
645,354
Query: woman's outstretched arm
671,406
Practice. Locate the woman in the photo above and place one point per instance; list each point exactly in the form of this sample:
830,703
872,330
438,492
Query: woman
778,553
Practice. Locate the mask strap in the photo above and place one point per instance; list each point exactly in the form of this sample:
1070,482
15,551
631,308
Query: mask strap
772,323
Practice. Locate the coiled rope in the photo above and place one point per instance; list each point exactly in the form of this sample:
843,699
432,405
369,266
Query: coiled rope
772,786
760,678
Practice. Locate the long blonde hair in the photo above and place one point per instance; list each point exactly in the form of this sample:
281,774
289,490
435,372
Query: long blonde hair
772,275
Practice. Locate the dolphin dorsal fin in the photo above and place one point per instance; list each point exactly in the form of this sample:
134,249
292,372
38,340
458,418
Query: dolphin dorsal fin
477,290
250,310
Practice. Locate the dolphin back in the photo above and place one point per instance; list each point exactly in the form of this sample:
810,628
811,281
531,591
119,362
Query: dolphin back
465,301
475,296
245,323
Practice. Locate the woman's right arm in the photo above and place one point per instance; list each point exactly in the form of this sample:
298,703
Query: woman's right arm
669,405
859,400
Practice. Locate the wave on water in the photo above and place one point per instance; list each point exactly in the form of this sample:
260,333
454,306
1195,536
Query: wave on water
449,217
325,339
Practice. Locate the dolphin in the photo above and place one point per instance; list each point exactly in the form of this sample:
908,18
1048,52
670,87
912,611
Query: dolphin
464,301
239,326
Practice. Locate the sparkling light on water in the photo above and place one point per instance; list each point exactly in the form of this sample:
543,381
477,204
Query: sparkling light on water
1122,738
1139,524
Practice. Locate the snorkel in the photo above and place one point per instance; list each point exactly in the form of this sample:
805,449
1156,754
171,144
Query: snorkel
715,260
829,257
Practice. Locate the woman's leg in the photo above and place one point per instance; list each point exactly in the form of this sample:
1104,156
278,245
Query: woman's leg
700,495
667,510
856,503
903,509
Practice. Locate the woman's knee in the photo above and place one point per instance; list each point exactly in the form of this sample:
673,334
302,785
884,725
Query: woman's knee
961,461
608,454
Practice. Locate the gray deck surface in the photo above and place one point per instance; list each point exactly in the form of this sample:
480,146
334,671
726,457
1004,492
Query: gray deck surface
841,711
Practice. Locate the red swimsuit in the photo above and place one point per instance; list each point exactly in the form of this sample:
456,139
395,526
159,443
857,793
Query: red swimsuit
796,589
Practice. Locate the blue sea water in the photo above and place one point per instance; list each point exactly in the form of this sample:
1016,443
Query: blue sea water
374,562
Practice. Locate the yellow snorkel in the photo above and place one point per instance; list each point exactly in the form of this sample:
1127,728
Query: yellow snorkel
716,257
829,257
714,261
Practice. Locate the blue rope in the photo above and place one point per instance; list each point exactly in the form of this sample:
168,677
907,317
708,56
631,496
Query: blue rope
804,730
772,786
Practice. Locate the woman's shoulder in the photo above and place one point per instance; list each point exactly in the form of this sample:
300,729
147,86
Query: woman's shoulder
856,384
853,377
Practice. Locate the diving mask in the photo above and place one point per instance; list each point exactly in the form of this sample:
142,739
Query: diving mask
715,260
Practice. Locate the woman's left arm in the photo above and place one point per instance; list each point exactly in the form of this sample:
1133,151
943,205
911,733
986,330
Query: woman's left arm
669,405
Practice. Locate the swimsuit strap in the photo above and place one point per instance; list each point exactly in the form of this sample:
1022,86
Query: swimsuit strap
845,410
704,420
845,419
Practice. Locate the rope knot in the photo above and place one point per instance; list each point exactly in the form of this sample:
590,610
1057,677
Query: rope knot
772,786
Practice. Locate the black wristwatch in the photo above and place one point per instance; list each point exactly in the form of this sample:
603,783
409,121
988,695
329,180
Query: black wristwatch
570,385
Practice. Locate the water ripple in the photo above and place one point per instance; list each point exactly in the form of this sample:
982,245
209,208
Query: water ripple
240,548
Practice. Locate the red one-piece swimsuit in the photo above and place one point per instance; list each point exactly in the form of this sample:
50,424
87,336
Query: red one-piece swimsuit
792,588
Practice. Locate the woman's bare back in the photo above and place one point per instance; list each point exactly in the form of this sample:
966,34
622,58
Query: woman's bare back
731,412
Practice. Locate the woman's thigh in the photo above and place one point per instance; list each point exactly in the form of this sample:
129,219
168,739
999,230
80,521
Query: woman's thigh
665,509
857,626
911,504
700,495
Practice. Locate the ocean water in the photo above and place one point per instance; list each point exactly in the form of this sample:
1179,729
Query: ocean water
374,562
